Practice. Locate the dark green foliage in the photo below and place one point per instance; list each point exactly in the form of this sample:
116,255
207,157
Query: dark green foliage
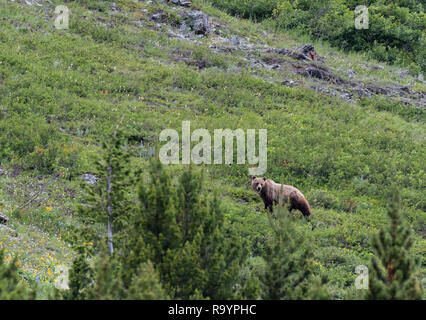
106,206
181,230
252,288
107,281
107,202
392,272
250,9
289,266
184,232
10,286
157,221
146,284
80,278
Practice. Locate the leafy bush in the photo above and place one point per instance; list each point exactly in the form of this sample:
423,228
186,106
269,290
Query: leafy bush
321,198
256,9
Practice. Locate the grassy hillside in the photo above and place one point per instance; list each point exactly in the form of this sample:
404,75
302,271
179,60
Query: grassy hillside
342,143
395,31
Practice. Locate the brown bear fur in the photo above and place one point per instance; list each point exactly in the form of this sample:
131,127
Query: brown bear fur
272,193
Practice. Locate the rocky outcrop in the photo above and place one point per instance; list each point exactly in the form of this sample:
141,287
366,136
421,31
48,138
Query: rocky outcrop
305,53
197,21
322,74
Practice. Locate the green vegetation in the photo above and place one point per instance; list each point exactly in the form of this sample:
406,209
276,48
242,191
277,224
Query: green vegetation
396,32
289,264
10,286
392,266
62,93
178,232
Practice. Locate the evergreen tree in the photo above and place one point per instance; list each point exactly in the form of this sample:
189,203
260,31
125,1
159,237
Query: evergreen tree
289,267
106,280
157,220
252,287
392,268
10,286
80,278
175,246
105,209
146,284
107,205
183,230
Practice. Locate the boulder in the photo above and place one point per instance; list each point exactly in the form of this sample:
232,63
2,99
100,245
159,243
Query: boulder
198,21
114,9
182,3
29,2
159,16
3,218
351,73
89,178
306,52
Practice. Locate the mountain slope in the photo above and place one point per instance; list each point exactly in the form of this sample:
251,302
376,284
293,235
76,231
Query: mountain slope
341,139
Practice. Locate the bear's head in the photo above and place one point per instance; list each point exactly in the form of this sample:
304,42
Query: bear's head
258,184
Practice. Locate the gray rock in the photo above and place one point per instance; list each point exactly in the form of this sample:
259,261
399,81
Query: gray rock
283,51
159,16
182,3
176,35
3,218
113,9
306,52
138,23
351,73
403,74
89,178
378,67
234,41
274,66
29,2
184,27
198,21
221,49
256,64
289,83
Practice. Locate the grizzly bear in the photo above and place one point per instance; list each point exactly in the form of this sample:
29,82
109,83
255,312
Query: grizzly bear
272,193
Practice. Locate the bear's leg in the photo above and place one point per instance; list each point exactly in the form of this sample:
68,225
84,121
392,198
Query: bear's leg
266,202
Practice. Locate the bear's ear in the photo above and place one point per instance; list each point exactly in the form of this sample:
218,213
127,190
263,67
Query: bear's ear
264,178
254,177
